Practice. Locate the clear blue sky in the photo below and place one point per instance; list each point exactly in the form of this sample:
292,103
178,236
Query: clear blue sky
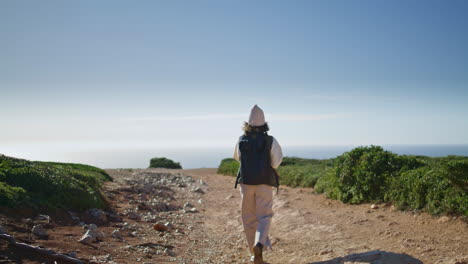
186,73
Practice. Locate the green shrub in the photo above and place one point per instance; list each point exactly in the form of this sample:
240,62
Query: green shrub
328,184
363,172
228,167
11,196
164,163
303,174
371,174
50,184
437,188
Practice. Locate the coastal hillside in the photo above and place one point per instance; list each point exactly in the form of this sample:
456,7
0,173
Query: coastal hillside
50,185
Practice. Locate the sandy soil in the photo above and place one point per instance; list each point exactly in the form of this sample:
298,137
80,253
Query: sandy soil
307,228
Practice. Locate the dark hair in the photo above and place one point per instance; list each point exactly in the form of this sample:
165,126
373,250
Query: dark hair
247,128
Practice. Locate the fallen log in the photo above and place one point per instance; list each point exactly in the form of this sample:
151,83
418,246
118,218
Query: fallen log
39,252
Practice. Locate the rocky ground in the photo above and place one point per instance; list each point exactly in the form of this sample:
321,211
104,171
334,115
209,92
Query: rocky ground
192,216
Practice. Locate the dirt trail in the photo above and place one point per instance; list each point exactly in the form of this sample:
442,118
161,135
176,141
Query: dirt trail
203,221
309,228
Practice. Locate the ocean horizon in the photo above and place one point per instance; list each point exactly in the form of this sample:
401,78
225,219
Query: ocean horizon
189,158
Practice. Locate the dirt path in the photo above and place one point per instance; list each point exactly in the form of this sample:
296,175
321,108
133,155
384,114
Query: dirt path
200,211
309,228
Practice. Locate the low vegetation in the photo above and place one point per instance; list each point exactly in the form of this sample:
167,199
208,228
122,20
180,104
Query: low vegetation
372,174
164,163
50,184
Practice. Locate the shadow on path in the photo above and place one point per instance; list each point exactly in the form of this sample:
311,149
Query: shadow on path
373,257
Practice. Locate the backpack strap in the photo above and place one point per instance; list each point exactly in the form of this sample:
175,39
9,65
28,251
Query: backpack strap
237,179
270,144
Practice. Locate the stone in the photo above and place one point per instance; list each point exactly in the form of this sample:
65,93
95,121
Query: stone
374,206
170,252
95,216
72,254
160,227
134,216
142,206
169,225
92,234
39,231
443,219
2,230
198,190
326,251
88,238
188,205
147,188
116,234
192,210
43,218
229,197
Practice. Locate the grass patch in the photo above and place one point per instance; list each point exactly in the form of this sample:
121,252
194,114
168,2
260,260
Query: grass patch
50,184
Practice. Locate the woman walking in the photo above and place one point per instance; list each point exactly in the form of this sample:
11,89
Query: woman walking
259,155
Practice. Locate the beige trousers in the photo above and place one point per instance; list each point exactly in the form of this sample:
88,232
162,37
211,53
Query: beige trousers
257,211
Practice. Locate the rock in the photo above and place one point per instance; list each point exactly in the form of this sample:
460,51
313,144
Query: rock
147,188
74,216
116,234
88,238
28,221
170,252
143,206
114,217
160,228
134,216
443,219
95,216
43,218
94,228
39,231
169,225
71,254
92,234
198,190
142,197
188,205
229,197
374,206
192,210
326,251
2,230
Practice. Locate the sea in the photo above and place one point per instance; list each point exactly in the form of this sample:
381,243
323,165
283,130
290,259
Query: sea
207,157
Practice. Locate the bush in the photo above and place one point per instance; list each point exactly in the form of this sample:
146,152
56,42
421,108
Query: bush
228,167
362,173
50,184
164,163
303,174
371,174
437,188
